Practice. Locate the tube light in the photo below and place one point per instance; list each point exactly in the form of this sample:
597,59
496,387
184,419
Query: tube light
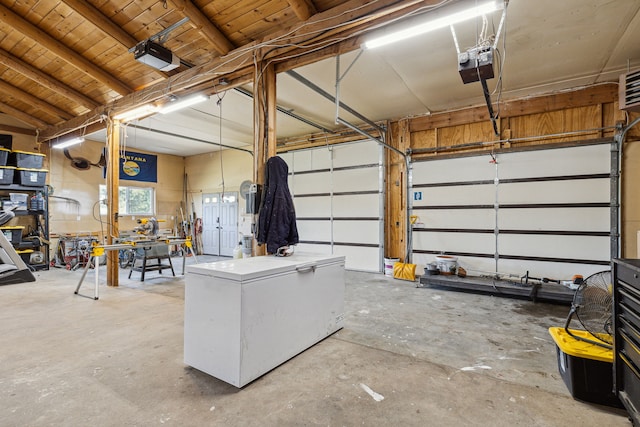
434,24
182,103
136,113
68,143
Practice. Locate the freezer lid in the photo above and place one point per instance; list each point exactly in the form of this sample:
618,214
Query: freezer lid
252,268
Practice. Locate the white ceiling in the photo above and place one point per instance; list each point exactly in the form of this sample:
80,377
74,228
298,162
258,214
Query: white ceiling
548,46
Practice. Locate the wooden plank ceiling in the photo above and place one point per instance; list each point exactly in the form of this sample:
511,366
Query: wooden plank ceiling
65,60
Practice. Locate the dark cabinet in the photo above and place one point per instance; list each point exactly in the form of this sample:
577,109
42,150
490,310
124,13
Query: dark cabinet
626,325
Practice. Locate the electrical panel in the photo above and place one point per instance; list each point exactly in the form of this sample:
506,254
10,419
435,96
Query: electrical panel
253,199
476,64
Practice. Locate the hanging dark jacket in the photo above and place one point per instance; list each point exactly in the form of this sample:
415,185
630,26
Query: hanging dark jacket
277,216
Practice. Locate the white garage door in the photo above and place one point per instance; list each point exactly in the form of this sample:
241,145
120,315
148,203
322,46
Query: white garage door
545,211
338,195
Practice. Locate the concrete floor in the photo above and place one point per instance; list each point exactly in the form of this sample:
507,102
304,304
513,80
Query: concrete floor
407,356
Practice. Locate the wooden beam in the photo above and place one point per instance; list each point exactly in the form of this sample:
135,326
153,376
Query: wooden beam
18,130
264,125
113,200
33,100
45,80
240,59
22,116
101,22
304,9
520,107
204,26
61,50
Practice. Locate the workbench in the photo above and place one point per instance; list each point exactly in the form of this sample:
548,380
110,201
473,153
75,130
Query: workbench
549,292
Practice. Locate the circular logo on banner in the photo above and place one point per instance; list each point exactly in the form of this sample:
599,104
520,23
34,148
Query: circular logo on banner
131,168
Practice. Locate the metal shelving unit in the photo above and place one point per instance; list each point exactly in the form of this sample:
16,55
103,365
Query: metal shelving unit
40,223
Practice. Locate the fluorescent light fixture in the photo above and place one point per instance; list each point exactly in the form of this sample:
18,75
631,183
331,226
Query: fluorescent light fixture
182,103
68,143
435,24
136,113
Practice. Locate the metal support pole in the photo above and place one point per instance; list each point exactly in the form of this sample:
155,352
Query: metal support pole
616,190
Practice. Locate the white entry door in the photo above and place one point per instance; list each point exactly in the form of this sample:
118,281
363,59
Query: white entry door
219,223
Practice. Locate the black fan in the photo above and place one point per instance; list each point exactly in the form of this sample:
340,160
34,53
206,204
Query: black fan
592,306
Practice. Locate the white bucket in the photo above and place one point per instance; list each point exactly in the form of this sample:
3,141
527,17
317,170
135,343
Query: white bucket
247,246
447,264
388,265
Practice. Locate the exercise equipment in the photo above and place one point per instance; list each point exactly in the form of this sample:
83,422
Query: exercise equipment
12,268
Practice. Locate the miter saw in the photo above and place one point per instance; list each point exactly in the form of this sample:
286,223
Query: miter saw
147,227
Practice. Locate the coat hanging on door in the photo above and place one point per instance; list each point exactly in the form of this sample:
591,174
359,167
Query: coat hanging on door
277,216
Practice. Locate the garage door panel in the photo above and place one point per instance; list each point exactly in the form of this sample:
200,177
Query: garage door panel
569,219
314,230
456,196
453,218
319,206
454,242
312,248
466,169
356,231
362,153
548,246
552,270
308,160
359,258
316,172
312,183
556,162
362,179
357,205
574,191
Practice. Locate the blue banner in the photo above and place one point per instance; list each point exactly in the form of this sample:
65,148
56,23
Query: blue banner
139,167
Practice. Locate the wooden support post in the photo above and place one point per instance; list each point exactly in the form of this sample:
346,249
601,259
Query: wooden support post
264,126
113,184
396,187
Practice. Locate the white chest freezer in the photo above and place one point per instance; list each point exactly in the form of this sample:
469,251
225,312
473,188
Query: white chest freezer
244,317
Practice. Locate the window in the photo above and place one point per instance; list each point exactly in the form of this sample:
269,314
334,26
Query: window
131,200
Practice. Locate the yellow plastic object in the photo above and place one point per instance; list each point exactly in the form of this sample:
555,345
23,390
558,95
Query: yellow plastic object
29,153
404,271
577,348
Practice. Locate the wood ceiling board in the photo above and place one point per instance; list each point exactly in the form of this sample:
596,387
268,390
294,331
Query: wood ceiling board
627,49
575,42
361,89
200,122
262,29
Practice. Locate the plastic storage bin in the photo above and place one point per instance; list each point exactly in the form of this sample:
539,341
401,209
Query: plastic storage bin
6,174
4,155
30,177
587,369
13,233
19,201
25,159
